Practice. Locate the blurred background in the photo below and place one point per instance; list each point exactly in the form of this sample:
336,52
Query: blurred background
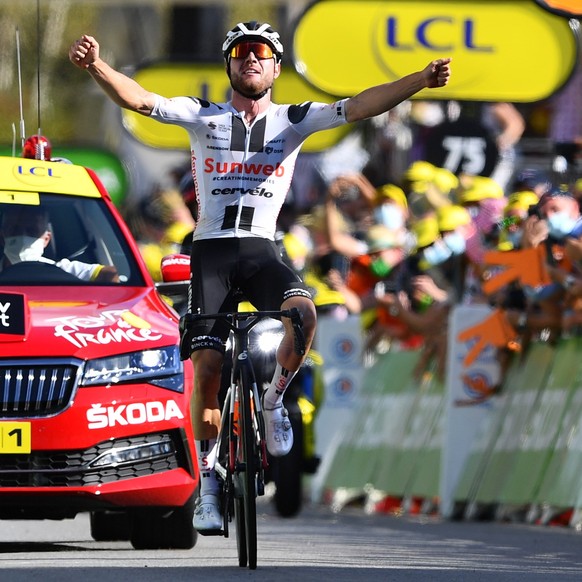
72,111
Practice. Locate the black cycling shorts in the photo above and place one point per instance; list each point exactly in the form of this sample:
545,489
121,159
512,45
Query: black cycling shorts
221,267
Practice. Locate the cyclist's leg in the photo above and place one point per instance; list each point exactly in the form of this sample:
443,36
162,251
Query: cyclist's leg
274,286
278,426
206,423
209,294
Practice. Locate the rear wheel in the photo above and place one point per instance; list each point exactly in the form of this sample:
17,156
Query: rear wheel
287,472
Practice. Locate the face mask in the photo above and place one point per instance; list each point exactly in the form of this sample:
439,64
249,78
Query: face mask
437,253
560,224
456,243
23,248
380,268
390,216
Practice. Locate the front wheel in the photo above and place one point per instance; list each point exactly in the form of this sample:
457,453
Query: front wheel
241,534
247,464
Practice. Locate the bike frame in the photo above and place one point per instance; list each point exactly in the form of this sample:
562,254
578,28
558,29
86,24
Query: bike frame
241,443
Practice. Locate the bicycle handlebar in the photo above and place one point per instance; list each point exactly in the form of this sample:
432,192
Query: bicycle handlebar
233,318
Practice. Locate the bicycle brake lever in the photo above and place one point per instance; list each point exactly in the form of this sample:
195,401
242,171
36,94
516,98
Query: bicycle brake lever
185,337
298,335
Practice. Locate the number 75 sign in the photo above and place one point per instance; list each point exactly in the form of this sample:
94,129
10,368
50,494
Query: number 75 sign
462,146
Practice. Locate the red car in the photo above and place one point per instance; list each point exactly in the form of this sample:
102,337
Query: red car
94,400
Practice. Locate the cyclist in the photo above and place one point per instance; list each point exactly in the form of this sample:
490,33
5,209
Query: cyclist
243,153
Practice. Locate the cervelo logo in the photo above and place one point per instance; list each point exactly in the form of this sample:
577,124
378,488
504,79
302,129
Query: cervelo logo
251,191
99,416
211,166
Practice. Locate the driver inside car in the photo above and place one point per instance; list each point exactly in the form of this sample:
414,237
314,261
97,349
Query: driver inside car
26,233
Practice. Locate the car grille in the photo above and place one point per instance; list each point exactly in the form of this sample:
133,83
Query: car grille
75,469
36,388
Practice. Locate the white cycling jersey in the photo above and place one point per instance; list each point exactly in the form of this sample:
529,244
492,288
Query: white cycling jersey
241,172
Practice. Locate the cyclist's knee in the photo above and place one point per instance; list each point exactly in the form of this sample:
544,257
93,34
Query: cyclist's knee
308,313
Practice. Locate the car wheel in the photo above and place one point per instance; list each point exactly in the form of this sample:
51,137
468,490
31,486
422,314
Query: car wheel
153,530
109,526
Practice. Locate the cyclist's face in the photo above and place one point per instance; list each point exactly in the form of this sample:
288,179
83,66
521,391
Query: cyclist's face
251,76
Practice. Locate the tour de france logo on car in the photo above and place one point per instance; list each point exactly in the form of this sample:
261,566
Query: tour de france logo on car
13,315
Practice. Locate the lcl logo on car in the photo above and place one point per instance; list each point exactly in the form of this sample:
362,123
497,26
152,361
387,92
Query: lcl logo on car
12,313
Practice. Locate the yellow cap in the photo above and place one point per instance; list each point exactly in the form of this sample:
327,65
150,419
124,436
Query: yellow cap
295,247
445,180
426,231
481,188
451,217
391,192
520,201
419,171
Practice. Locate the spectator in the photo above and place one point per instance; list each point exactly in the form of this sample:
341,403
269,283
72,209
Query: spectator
421,304
371,277
391,207
507,125
566,122
423,183
456,229
485,201
557,224
160,223
515,214
533,180
348,214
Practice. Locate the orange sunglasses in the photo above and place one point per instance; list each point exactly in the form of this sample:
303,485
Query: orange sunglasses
259,49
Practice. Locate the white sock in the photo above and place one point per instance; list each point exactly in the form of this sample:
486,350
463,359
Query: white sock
206,450
274,393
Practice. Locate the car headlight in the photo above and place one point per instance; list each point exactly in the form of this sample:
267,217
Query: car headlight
160,366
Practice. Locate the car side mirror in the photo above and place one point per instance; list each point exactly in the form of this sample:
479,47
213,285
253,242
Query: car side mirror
175,275
176,268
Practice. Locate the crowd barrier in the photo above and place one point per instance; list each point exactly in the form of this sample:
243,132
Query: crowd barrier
414,445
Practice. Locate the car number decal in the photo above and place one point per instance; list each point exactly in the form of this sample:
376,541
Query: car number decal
15,437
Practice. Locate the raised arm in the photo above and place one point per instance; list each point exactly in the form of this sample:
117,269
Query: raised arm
381,98
84,53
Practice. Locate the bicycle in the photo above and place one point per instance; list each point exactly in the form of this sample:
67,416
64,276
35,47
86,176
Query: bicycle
242,450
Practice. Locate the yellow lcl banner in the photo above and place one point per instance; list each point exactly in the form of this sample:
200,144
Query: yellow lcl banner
502,50
209,81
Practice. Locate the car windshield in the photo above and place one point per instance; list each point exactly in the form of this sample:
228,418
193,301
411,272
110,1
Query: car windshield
64,240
